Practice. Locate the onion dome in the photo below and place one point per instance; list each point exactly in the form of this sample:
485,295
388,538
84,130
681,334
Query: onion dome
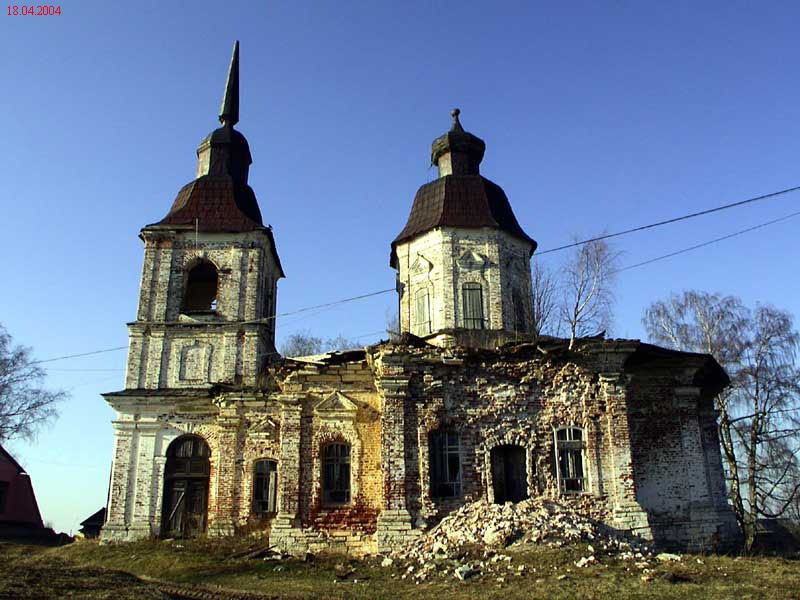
460,197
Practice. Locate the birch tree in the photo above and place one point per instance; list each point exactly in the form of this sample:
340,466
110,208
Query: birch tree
759,422
25,405
587,299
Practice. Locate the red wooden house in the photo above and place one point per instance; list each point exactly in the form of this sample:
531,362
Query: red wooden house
18,508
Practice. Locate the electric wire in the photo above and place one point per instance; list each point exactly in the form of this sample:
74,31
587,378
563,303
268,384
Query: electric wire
564,247
668,221
708,243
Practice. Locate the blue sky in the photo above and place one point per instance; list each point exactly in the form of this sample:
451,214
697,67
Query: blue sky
596,115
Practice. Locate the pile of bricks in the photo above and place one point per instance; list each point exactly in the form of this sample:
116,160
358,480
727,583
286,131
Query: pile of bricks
471,541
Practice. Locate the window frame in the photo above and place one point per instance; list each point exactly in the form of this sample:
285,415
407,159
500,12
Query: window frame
261,485
422,327
342,461
442,483
570,453
468,303
519,312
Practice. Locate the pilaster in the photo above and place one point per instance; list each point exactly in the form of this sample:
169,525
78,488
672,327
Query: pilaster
142,524
627,512
116,526
394,522
286,532
227,480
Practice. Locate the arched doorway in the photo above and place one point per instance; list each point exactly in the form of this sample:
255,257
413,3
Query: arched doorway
509,473
186,487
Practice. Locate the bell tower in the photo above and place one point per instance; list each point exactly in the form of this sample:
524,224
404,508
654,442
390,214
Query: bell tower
207,298
462,260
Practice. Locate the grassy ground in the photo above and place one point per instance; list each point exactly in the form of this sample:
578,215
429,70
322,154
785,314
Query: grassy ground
88,570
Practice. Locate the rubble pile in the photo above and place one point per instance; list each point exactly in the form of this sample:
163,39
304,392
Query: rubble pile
470,541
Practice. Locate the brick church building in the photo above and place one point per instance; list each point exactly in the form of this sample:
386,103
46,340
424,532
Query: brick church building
359,450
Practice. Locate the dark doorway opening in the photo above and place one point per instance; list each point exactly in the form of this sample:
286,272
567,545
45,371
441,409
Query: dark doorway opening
509,474
186,488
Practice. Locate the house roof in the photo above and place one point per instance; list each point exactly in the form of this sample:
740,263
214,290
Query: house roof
97,518
5,454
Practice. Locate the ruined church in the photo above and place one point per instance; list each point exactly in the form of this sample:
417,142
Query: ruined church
359,450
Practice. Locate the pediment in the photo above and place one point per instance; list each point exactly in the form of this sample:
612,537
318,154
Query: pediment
336,404
421,265
262,424
471,261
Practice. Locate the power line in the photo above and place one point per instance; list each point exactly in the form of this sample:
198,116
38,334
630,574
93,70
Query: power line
318,306
326,305
668,221
85,370
38,362
293,312
708,243
602,237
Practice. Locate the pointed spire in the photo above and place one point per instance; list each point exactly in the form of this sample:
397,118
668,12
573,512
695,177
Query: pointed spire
229,111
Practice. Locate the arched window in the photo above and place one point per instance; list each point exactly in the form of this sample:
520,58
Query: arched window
265,487
444,456
473,305
569,449
336,474
201,289
186,487
422,312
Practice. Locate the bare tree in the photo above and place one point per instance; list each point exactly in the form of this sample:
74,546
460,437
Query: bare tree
392,324
340,343
303,343
587,300
543,300
759,428
24,404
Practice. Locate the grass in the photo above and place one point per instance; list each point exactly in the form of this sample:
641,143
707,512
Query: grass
88,570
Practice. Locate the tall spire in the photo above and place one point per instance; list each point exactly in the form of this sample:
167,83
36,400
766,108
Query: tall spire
229,111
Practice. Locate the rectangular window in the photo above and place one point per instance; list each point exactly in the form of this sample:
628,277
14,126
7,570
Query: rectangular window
336,474
473,306
265,487
422,312
445,464
520,312
4,487
569,460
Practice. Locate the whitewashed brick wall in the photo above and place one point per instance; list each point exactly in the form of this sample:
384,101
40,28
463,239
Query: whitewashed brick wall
444,259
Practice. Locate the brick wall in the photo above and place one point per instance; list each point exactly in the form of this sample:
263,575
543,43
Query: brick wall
651,459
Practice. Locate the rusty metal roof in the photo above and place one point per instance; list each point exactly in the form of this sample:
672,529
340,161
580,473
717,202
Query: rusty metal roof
468,201
217,203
